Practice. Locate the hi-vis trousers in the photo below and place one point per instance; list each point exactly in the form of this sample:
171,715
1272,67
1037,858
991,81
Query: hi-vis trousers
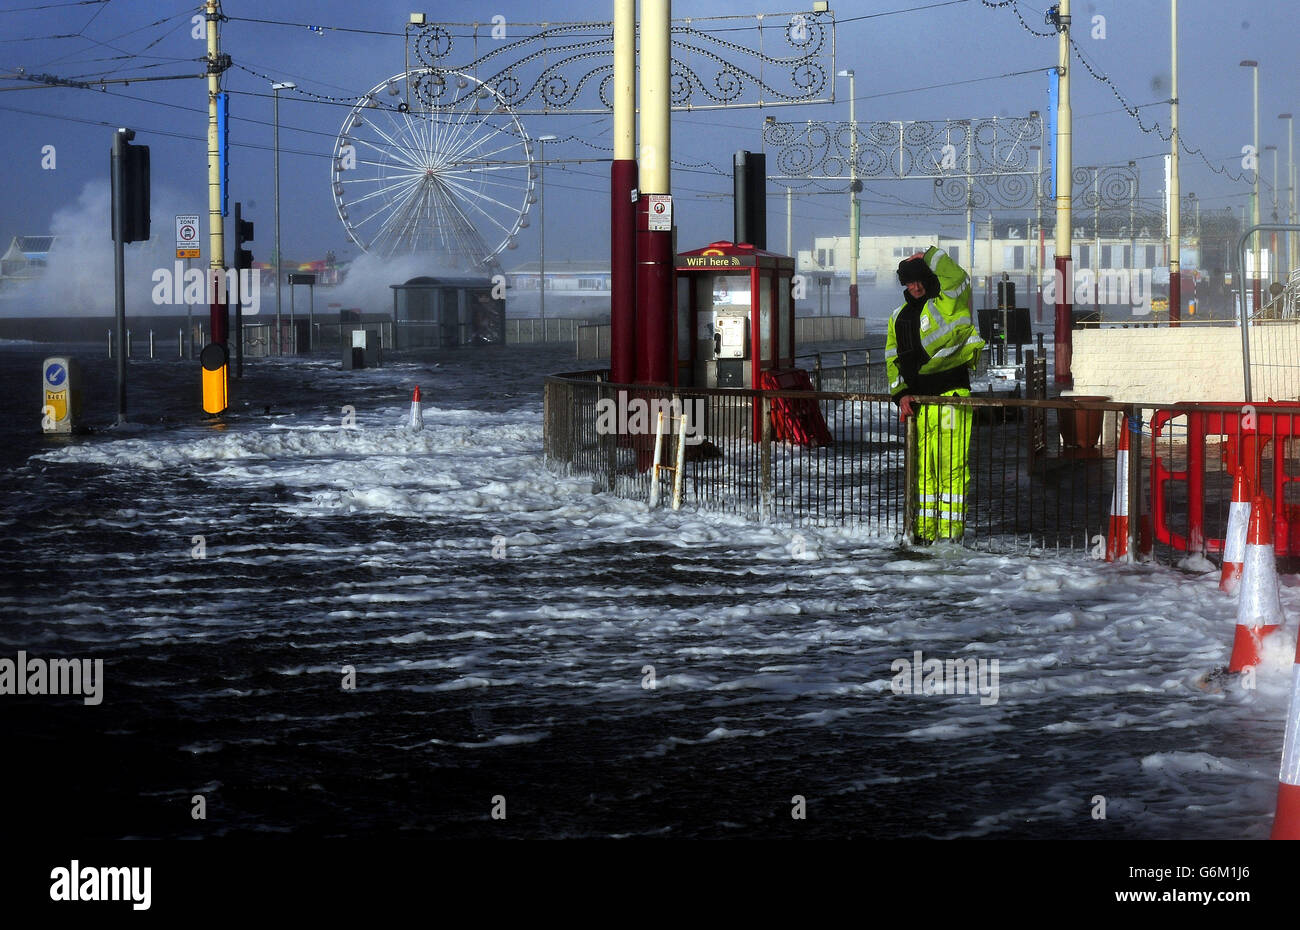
942,444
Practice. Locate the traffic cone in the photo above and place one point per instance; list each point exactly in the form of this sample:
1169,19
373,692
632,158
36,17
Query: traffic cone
1259,608
1234,541
417,418
1117,539
1286,819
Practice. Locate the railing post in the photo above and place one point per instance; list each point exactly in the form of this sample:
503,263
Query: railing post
654,469
765,461
817,371
909,479
613,438
110,343
1133,417
151,344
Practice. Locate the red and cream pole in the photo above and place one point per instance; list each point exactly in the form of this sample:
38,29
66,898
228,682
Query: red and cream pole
216,224
1064,190
622,210
1175,193
654,247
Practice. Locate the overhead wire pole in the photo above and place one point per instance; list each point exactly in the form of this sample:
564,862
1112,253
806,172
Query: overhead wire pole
1064,191
1175,190
622,190
1290,180
970,204
1254,195
216,227
855,220
654,258
279,266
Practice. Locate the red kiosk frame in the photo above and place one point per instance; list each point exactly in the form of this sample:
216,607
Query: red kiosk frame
706,291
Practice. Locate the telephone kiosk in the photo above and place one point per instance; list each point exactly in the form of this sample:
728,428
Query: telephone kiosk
735,316
735,329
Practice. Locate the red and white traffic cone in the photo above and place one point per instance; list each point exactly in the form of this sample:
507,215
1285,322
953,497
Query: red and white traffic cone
1259,607
417,417
1117,539
1286,820
1234,541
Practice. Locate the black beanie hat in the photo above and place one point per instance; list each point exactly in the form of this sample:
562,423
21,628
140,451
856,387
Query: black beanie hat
915,269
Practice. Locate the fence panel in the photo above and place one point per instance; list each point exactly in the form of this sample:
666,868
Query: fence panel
1041,473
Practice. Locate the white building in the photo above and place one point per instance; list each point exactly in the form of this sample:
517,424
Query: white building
574,289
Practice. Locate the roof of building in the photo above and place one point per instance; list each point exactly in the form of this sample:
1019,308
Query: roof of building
553,267
30,247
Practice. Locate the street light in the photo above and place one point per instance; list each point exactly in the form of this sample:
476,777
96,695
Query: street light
1036,250
854,218
279,276
1254,196
541,224
1291,190
1273,149
1272,238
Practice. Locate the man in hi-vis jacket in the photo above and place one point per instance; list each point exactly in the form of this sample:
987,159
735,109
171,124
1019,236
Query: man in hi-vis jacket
931,348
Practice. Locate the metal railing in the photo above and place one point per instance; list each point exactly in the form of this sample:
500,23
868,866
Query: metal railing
594,338
326,338
809,329
1026,488
531,329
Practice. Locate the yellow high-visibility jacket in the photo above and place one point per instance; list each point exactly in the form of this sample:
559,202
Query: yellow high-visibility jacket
948,333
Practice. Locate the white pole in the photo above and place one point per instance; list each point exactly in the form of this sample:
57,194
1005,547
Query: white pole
680,468
654,471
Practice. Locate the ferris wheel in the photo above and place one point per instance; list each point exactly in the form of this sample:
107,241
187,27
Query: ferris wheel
433,162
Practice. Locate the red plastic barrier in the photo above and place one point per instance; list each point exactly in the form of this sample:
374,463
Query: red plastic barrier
1248,432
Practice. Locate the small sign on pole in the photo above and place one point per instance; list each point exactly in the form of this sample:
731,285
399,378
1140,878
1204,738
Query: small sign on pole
661,213
187,235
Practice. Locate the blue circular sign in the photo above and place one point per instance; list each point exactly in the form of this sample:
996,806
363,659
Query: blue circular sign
55,374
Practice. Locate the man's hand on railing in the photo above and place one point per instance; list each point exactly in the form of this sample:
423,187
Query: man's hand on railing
905,407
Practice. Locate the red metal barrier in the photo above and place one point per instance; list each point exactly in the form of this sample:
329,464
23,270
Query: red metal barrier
797,421
1248,429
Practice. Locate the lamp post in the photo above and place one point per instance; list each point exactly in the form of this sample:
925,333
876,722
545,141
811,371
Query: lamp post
1254,194
541,226
1272,239
1037,253
1290,184
854,218
279,275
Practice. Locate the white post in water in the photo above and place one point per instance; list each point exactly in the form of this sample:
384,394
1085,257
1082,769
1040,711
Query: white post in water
110,343
654,471
151,344
681,459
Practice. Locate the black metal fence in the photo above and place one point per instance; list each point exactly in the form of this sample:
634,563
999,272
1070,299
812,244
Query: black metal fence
1041,473
1027,485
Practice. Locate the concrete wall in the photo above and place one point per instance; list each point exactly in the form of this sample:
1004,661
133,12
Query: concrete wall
1190,363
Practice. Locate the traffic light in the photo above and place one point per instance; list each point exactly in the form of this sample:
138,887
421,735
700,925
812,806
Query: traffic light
134,183
243,233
